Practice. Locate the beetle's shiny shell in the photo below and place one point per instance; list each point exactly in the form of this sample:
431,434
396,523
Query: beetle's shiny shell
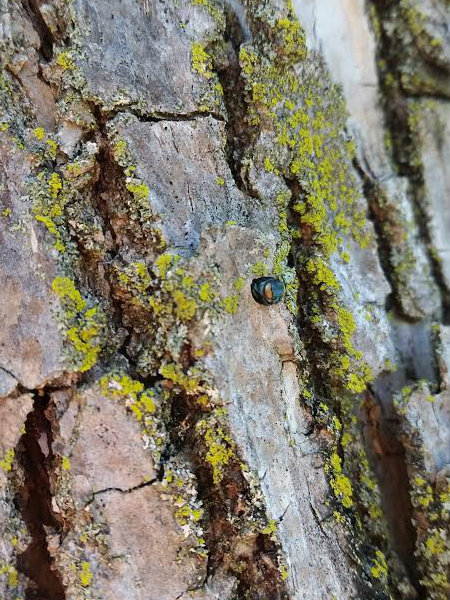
267,290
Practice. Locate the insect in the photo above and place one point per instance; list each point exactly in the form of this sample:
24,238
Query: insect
267,290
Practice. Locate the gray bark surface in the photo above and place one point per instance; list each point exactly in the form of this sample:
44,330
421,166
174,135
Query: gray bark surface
163,435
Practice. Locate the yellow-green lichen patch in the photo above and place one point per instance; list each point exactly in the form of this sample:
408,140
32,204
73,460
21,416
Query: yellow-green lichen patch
205,293
201,61
7,460
283,572
39,133
379,569
135,279
49,200
188,382
137,191
208,90
164,299
429,494
434,557
83,324
85,574
271,528
65,60
431,502
220,448
230,303
239,284
340,483
10,574
259,269
349,453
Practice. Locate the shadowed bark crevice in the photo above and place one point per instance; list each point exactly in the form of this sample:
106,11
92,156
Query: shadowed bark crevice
34,499
33,11
387,459
239,133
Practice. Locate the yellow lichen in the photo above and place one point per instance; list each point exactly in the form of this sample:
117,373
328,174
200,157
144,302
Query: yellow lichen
84,325
7,461
219,445
379,569
259,269
39,133
230,303
65,60
205,293
174,372
85,574
185,307
340,484
11,573
200,60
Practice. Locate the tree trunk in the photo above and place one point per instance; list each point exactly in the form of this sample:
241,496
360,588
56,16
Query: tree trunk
170,429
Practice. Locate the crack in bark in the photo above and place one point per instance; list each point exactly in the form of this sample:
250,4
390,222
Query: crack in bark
386,456
317,519
158,116
32,9
139,486
34,497
239,134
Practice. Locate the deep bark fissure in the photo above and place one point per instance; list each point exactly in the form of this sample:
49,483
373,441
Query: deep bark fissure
300,250
34,498
239,133
33,11
387,459
385,447
110,180
404,541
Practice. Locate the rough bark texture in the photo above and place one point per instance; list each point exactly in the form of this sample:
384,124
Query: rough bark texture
164,436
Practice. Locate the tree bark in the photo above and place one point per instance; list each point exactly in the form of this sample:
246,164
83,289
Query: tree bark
167,433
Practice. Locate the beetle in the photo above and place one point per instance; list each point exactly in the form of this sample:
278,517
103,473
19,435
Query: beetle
267,290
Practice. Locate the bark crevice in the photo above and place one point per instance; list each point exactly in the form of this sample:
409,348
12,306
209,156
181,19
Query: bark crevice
120,490
387,459
239,134
33,11
34,499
